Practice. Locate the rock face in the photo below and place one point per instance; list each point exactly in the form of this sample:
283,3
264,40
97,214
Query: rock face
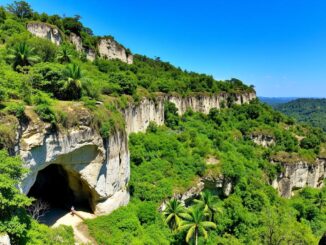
45,31
110,49
77,41
299,175
100,167
4,239
97,168
138,117
263,140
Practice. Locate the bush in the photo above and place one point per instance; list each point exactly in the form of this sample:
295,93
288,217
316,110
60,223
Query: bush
46,113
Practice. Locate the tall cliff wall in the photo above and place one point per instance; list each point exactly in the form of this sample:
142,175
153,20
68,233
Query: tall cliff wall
138,117
45,31
298,175
99,166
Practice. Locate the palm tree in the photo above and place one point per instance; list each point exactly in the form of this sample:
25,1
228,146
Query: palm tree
22,55
174,212
64,54
208,203
72,86
195,224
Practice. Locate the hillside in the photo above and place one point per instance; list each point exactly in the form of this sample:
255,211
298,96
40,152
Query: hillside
309,111
156,154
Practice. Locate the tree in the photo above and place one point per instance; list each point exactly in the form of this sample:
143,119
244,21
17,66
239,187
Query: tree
207,202
72,86
21,9
13,217
72,25
64,54
195,224
22,55
38,209
2,15
174,212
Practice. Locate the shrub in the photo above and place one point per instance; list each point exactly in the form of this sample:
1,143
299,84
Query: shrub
46,113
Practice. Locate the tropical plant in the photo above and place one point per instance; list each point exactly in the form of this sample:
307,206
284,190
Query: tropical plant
195,225
72,86
174,212
22,55
208,203
64,54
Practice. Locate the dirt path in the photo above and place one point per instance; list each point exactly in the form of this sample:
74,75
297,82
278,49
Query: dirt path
80,229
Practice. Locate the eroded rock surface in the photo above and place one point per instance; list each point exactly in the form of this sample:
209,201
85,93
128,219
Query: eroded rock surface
110,49
46,31
298,175
4,239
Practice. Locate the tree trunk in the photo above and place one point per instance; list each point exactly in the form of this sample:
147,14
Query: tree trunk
196,236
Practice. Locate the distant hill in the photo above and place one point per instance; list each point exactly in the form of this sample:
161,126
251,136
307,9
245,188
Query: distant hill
273,101
311,111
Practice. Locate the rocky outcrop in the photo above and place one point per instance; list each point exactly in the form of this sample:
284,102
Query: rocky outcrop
263,140
110,49
46,31
139,116
4,239
77,41
99,167
299,175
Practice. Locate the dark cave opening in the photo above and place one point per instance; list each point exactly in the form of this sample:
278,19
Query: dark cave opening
61,189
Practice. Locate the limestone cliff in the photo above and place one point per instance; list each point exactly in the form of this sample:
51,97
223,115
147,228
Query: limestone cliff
299,175
77,41
110,49
46,31
139,116
98,169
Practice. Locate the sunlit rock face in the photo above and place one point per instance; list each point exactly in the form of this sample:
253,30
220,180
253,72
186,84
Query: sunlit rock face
263,140
45,31
77,41
108,48
298,175
139,116
4,239
101,166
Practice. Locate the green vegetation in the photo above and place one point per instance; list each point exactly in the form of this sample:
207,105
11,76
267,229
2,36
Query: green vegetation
166,161
39,80
309,111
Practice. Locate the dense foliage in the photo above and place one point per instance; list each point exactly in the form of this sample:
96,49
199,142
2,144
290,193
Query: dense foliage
39,79
166,161
309,111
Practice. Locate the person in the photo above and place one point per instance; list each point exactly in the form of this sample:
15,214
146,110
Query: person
72,210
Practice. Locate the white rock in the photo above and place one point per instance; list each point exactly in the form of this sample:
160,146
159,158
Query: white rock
46,31
299,175
4,239
110,49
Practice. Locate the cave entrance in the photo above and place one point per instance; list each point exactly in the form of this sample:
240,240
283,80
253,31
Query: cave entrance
61,189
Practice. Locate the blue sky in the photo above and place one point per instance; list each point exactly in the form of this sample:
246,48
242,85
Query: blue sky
279,46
